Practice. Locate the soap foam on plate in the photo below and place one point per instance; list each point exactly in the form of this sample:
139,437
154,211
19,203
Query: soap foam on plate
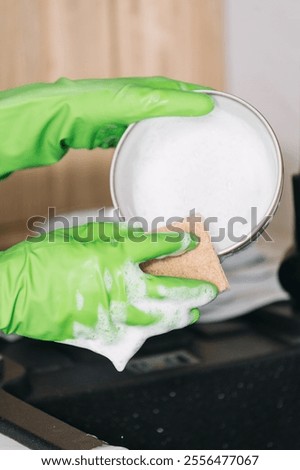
224,165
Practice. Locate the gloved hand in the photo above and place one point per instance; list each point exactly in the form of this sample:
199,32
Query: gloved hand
40,122
90,293
84,284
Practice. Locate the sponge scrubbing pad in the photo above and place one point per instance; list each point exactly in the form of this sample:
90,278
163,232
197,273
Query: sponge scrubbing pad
201,263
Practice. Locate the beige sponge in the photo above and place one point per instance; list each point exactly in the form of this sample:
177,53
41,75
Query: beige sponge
201,263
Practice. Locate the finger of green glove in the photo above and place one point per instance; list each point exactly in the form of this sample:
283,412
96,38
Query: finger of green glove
196,292
98,117
155,82
195,315
104,232
139,85
133,104
159,82
38,123
142,246
146,102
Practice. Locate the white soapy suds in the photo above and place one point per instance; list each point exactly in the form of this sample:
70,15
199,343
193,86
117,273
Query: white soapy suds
221,165
185,242
116,340
107,280
79,301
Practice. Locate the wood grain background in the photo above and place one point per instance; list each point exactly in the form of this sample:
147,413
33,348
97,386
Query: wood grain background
42,40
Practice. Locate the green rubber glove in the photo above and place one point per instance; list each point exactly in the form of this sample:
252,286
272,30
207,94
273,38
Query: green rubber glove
91,293
40,122
84,285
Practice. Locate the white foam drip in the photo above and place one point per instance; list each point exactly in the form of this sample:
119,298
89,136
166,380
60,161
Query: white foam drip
116,340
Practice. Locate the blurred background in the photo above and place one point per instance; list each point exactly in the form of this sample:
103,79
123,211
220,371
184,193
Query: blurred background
248,48
247,369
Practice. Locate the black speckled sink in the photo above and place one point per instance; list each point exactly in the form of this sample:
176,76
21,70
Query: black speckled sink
232,385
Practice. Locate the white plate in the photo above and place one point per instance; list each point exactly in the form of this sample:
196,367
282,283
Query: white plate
226,165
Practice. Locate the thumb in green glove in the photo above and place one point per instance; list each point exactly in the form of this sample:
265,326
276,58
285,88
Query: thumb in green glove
84,286
40,122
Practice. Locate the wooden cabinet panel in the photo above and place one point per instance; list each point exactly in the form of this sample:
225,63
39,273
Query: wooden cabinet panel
41,40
